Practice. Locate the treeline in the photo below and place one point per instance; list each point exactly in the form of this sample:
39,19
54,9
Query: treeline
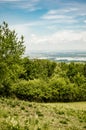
37,80
47,81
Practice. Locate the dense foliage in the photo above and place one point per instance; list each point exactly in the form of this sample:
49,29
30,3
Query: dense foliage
62,85
11,50
37,80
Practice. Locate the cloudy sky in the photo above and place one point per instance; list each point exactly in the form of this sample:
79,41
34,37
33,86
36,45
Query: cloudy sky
51,25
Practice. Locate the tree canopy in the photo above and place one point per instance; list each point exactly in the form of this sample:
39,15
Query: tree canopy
10,46
11,50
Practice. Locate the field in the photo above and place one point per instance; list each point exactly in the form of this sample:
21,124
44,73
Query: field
23,115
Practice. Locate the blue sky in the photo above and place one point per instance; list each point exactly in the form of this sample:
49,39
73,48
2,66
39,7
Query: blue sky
51,25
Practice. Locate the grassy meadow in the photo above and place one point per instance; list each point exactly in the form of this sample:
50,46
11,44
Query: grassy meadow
23,115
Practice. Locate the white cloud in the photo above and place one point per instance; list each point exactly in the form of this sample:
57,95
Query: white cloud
84,21
62,19
62,40
59,40
70,13
30,5
61,15
50,17
62,11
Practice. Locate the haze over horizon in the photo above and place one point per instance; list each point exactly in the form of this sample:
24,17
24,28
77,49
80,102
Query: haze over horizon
47,25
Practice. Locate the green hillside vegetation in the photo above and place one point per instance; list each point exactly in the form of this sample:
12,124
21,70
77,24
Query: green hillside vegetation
46,81
24,115
37,80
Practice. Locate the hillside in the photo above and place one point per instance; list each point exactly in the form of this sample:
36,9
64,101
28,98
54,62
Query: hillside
23,115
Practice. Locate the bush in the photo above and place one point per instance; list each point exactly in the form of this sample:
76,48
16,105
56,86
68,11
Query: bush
82,92
56,90
63,90
32,90
5,88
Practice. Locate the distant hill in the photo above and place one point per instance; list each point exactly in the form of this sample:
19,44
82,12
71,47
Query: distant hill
65,56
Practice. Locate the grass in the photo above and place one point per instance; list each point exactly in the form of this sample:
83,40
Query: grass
24,115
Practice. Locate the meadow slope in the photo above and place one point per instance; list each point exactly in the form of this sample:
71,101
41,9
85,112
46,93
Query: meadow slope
23,115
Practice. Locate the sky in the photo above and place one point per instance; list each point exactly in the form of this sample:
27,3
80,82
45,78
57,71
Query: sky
47,25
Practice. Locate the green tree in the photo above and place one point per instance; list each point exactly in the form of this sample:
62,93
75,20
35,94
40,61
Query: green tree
11,50
37,68
84,70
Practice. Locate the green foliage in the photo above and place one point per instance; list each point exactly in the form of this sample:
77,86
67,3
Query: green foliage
82,92
63,90
11,50
55,90
32,90
84,70
10,47
34,85
35,69
75,70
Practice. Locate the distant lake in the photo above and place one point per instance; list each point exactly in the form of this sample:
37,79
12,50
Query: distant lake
76,56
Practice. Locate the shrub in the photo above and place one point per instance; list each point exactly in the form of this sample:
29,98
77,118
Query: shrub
63,90
32,90
57,89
